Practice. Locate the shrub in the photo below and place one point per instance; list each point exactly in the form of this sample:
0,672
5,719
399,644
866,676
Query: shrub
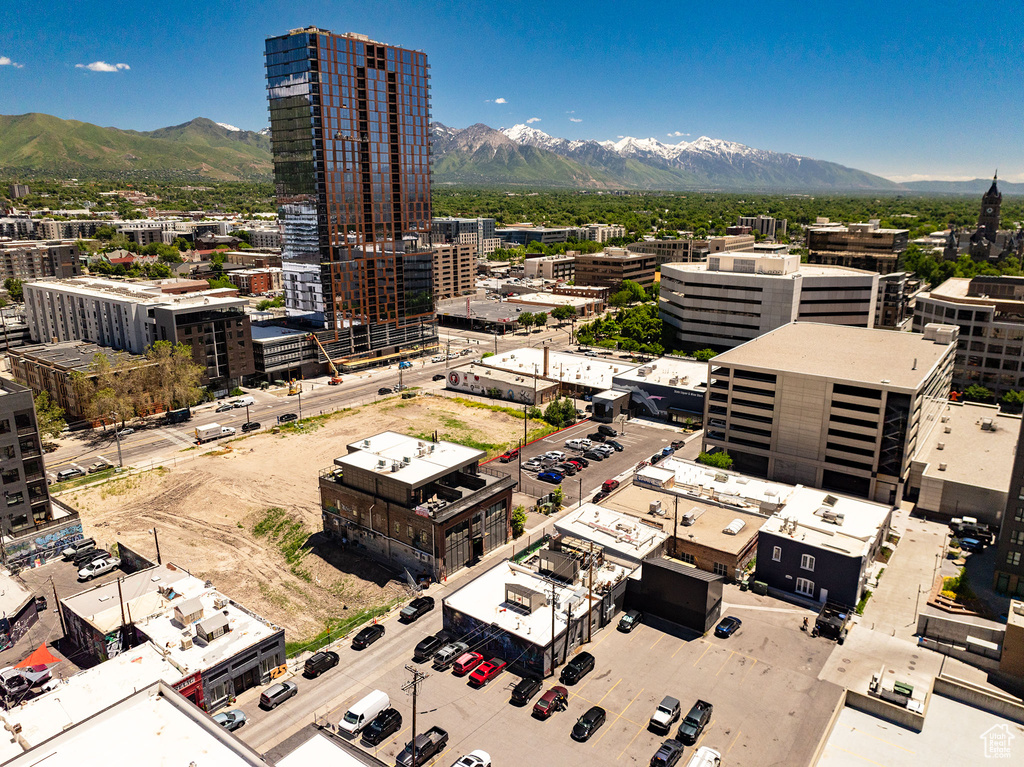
518,520
720,460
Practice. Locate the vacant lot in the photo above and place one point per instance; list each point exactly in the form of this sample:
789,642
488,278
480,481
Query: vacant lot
246,514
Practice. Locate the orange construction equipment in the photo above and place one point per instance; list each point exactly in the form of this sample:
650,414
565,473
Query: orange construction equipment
335,375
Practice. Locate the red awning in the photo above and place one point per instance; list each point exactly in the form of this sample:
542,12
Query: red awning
41,657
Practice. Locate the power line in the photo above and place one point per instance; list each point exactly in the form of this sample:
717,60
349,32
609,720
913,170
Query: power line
414,685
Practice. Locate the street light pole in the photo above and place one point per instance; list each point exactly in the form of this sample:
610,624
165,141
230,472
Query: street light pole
156,540
117,436
300,404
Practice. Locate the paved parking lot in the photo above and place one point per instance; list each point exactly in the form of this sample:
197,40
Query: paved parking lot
639,440
770,708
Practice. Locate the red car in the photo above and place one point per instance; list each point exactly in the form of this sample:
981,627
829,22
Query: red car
466,663
509,455
555,699
609,485
486,671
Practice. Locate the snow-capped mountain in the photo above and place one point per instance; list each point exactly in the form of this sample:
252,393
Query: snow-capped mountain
264,131
225,126
647,163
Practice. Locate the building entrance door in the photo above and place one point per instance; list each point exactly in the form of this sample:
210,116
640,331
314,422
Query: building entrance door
246,680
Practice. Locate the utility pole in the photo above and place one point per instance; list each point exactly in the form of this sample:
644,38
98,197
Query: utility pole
414,686
675,527
157,541
117,436
554,654
56,604
590,596
447,351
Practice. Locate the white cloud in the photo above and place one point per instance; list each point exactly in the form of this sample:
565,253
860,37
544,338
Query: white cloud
102,66
533,120
500,101
6,62
678,133
575,120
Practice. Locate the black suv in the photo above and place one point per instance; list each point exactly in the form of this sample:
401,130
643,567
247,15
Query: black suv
607,430
286,417
425,649
577,668
387,722
416,608
250,426
668,755
367,636
383,391
526,689
694,723
319,663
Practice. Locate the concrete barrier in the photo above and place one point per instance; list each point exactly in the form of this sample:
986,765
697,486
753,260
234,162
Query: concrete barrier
883,710
826,733
979,697
956,632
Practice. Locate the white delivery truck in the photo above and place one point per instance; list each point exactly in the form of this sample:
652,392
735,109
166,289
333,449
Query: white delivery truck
243,401
213,431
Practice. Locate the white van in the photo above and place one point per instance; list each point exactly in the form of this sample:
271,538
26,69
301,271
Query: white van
243,401
705,757
363,712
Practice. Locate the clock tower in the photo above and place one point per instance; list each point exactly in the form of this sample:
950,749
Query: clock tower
989,218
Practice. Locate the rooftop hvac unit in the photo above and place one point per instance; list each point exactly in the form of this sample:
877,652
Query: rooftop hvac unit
220,603
673,381
186,640
987,424
945,419
942,467
734,527
655,507
941,446
830,500
834,517
947,430
381,463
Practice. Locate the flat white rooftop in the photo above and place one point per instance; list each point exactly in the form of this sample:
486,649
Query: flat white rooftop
550,299
12,596
407,459
139,293
166,632
570,369
972,453
669,371
807,509
155,726
88,692
140,592
620,535
727,487
319,751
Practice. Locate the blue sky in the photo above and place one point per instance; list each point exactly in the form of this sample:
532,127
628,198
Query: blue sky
906,90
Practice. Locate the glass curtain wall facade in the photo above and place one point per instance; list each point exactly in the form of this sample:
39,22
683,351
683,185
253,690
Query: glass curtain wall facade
349,122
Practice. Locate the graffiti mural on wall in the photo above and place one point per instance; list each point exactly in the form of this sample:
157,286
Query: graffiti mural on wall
521,655
40,547
12,630
132,561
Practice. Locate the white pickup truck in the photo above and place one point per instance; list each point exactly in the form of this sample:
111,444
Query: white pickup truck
98,567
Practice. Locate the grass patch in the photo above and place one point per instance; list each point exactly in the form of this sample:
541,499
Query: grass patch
339,627
311,423
79,481
487,406
273,597
288,534
863,602
959,586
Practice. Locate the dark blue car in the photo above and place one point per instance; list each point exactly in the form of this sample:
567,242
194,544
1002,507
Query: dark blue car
550,476
727,627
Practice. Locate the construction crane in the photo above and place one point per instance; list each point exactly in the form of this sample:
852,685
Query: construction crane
335,375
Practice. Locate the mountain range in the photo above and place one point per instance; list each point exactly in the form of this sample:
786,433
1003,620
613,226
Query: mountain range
38,144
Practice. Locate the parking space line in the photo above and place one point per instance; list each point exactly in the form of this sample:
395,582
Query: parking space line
620,716
638,731
704,734
657,640
883,740
636,632
726,662
702,655
391,740
608,693
682,644
733,742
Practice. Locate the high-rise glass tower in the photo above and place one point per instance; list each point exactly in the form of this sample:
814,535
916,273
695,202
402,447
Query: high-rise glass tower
350,128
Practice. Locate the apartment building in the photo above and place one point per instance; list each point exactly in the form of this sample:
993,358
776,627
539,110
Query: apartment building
1009,564
34,259
252,259
598,232
990,314
454,269
769,226
255,282
426,506
681,251
860,246
831,406
612,266
132,316
17,227
264,237
561,268
26,499
731,242
70,229
736,297
478,231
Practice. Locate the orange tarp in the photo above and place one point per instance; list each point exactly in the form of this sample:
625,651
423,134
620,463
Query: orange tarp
41,657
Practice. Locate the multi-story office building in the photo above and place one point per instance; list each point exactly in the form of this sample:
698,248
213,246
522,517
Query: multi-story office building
731,242
254,282
524,234
612,266
264,237
561,268
990,314
26,499
422,505
896,293
133,316
767,225
831,406
736,297
681,251
1009,565
598,232
33,260
454,269
349,120
861,246
479,231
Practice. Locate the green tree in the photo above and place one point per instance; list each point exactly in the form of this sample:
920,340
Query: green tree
977,393
49,416
720,460
563,313
13,287
181,244
560,412
540,319
220,282
525,319
518,521
703,355
1012,401
241,234
557,497
620,298
105,233
173,378
636,291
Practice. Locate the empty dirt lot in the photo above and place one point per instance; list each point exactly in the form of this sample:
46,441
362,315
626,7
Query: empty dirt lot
239,513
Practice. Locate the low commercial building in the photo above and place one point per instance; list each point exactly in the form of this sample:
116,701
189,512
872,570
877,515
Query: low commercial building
18,612
730,242
134,316
34,259
963,467
500,384
612,266
842,408
153,722
284,354
416,504
623,538
575,373
27,499
252,259
454,269
255,282
545,301
859,246
821,546
990,314
560,268
668,388
736,297
52,368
